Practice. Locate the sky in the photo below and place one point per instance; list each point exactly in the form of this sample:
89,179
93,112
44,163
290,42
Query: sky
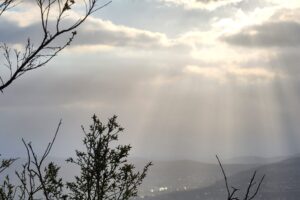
188,79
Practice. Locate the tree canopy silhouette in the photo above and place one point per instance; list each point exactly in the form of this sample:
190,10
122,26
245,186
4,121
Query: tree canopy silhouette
105,172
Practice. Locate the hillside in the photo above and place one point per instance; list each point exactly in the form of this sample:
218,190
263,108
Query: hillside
163,177
282,182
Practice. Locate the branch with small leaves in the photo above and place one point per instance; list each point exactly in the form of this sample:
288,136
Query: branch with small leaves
105,171
18,62
6,163
36,177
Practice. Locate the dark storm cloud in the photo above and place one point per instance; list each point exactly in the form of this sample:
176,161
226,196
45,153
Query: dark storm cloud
271,34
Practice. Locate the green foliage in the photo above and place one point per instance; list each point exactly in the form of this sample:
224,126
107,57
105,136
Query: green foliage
105,171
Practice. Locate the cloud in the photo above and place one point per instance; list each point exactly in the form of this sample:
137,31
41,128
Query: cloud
287,15
16,34
201,4
97,31
92,33
285,4
138,75
270,34
278,37
229,73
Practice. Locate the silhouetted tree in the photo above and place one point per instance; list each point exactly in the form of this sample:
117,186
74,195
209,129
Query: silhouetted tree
7,190
34,56
52,14
251,191
105,171
36,178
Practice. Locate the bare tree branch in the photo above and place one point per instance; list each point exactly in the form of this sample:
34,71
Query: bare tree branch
35,56
6,4
252,183
5,163
257,188
34,178
229,194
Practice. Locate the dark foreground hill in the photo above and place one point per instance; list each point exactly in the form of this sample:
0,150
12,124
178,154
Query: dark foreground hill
282,182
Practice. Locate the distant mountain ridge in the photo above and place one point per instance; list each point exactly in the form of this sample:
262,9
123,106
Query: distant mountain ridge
185,179
163,176
254,160
282,182
169,176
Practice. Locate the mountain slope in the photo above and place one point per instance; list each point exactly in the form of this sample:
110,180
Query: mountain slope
282,182
163,176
